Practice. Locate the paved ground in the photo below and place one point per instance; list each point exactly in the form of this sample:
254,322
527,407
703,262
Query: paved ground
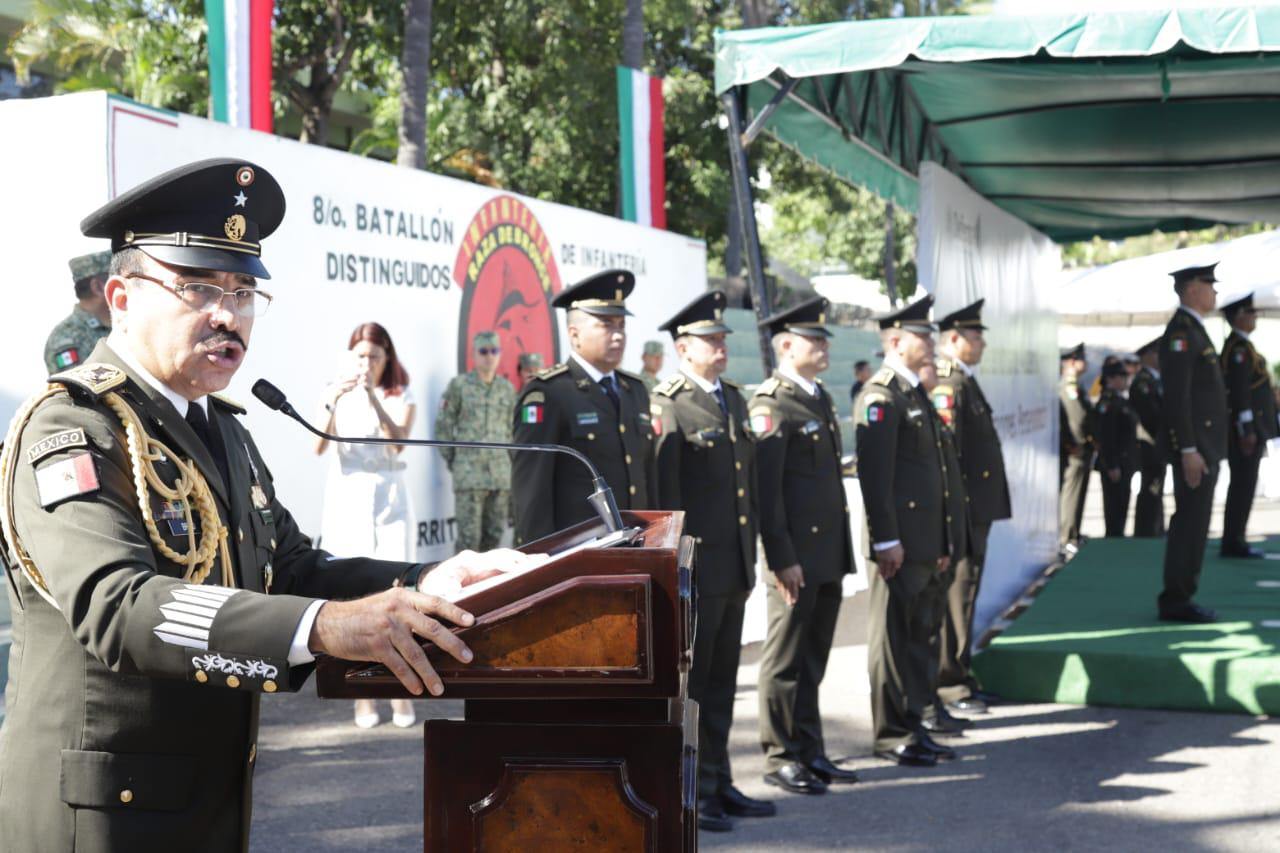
1029,777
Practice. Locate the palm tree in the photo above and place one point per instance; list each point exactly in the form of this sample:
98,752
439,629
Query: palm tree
415,65
633,35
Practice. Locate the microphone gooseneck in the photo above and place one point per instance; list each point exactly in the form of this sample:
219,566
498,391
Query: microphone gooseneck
601,500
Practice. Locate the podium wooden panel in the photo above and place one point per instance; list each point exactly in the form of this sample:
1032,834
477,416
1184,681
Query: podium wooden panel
578,733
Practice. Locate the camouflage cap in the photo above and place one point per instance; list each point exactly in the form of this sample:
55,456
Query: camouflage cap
529,359
485,339
653,347
86,266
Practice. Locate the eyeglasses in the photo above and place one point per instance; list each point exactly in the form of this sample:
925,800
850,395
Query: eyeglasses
202,296
488,350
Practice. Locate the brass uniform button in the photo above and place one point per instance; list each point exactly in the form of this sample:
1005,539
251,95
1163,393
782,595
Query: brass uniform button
814,529
232,681
622,427
268,686
201,676
628,458
986,474
241,535
126,796
911,504
697,540
738,465
742,520
815,436
591,436
1208,423
273,544
945,493
632,489
948,519
742,492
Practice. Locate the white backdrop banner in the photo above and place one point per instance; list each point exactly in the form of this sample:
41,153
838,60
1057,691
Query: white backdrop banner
971,249
433,259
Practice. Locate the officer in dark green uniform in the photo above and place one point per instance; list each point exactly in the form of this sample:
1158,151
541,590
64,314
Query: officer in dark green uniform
804,525
964,408
144,638
1195,414
588,404
1075,454
902,473
706,467
1146,396
1252,409
1116,431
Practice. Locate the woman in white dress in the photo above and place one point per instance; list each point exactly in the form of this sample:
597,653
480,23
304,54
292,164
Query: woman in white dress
366,506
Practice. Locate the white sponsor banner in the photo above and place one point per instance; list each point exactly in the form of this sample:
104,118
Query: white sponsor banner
971,249
433,259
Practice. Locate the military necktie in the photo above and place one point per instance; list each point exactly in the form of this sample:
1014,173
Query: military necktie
609,383
199,423
724,407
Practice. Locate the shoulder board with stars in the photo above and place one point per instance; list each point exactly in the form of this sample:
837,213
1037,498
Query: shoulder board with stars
549,372
944,366
91,380
883,376
669,386
730,383
769,387
228,403
625,375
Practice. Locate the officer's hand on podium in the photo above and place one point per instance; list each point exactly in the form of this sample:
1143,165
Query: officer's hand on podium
468,567
789,582
385,627
889,561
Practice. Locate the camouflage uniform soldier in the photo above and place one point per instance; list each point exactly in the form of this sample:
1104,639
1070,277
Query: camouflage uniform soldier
652,358
527,366
477,406
74,338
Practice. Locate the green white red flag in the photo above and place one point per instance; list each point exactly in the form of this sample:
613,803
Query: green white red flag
240,61
644,176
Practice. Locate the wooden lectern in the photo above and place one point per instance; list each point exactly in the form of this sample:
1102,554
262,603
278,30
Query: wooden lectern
578,733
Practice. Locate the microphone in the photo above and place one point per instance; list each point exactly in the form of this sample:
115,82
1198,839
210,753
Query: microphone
601,499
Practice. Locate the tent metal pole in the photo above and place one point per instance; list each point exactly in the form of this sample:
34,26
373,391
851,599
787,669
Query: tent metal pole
740,174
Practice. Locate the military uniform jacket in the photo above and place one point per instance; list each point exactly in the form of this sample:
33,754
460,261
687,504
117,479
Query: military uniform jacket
706,467
956,498
1117,433
1195,396
73,339
1076,413
1146,396
964,409
901,468
562,405
1248,387
804,517
474,411
133,694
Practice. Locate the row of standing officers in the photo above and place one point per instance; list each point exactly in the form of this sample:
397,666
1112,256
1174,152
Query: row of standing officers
770,467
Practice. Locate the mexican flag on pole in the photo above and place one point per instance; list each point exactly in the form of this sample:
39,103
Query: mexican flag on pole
240,61
644,175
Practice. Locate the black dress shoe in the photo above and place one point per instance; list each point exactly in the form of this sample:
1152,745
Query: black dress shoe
940,725
908,755
968,705
1240,551
739,804
711,816
986,697
828,772
1189,612
797,779
942,753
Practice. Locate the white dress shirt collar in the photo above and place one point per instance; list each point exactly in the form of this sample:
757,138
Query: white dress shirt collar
1192,312
120,346
709,387
902,370
595,375
811,387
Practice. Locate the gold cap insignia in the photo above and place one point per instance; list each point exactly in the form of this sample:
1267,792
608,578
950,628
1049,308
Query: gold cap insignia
234,226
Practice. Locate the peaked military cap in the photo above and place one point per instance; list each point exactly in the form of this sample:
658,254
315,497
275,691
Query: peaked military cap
212,214
1115,368
807,318
1076,351
1243,304
1188,273
603,294
968,317
702,316
913,318
87,266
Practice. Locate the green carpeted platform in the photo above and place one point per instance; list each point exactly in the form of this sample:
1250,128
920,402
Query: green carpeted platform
1092,638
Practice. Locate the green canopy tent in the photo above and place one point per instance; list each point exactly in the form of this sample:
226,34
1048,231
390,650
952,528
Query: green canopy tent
1081,124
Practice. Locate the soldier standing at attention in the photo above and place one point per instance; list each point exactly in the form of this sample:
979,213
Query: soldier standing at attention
477,407
652,356
903,478
143,639
589,404
964,409
1075,454
527,365
1195,413
1146,396
1116,430
804,525
706,467
74,338
1251,405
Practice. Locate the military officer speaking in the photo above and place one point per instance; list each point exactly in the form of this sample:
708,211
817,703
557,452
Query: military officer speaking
804,525
74,338
1195,414
1075,453
903,478
964,409
706,467
1251,406
1146,396
1116,431
477,407
590,405
159,587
